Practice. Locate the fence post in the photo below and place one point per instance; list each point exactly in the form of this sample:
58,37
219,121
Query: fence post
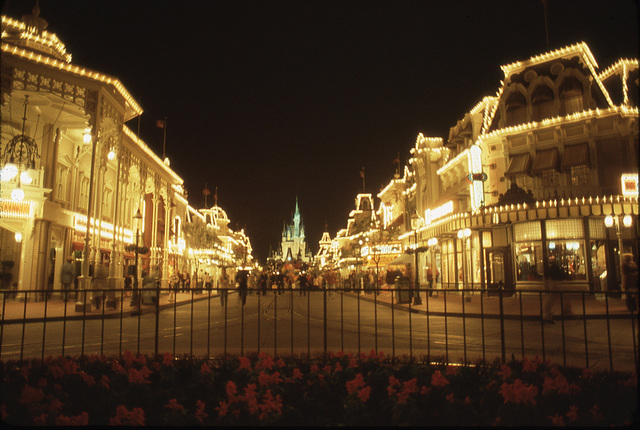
500,295
324,319
157,315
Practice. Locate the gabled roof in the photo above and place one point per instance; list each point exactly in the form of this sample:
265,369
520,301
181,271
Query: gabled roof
619,78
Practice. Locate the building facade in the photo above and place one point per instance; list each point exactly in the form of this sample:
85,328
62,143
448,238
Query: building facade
76,182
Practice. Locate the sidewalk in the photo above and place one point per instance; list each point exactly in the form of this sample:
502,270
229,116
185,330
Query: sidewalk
528,305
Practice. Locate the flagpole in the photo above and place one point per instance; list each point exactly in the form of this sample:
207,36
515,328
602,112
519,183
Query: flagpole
164,137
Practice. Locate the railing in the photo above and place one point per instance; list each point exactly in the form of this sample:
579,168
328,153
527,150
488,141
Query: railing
449,326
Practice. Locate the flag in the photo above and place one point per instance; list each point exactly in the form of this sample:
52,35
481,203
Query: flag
160,123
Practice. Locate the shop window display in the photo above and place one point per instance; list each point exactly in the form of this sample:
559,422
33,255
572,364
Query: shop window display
529,262
571,257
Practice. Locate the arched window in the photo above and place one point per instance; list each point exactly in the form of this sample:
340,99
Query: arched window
542,105
516,109
571,96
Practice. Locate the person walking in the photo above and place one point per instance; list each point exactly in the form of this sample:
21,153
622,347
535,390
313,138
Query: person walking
223,285
630,281
67,274
553,283
241,279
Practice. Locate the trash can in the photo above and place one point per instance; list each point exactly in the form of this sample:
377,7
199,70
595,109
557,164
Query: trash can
403,290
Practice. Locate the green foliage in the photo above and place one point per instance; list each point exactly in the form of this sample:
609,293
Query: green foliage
199,236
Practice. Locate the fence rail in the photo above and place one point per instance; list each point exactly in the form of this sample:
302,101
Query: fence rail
448,326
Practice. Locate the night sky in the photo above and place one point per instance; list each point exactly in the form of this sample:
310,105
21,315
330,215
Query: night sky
269,100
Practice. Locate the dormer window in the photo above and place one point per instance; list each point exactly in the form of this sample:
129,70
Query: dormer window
516,109
542,105
571,96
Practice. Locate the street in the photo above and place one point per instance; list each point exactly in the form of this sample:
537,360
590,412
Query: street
292,323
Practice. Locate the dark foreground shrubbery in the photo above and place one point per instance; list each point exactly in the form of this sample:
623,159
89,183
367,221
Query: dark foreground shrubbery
339,389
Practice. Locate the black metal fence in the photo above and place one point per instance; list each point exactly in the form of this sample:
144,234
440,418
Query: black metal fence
448,326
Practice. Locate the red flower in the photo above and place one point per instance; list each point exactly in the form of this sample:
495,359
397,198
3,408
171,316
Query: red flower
452,370
327,368
200,413
528,366
24,371
3,412
167,359
518,392
222,408
587,373
505,372
80,420
559,384
314,368
231,390
174,405
265,379
467,400
139,376
450,398
364,393
204,369
557,420
117,368
438,380
353,363
104,381
573,413
88,379
265,361
595,413
124,417
355,384
41,420
55,406
280,363
31,395
42,382
245,363
128,358
338,368
297,374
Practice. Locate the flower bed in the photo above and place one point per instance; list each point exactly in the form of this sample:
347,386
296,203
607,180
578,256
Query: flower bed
340,389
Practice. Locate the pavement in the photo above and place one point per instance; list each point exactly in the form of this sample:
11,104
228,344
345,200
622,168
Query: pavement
525,305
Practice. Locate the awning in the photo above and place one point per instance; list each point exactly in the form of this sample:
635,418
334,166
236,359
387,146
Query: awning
545,160
575,155
519,165
403,259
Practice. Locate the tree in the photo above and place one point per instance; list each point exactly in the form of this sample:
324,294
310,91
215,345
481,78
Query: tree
199,236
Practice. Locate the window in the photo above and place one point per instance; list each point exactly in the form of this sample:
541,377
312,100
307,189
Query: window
550,178
571,95
564,228
565,242
84,192
542,103
62,178
580,175
528,246
516,109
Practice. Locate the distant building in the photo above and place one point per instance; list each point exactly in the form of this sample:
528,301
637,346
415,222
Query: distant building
293,245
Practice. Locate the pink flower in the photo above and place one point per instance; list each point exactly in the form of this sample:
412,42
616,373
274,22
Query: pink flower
438,380
124,417
174,405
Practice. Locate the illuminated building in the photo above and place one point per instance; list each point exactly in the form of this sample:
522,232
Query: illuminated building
293,245
87,173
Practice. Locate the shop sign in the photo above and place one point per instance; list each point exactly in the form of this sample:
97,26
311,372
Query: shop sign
629,184
382,249
431,215
12,209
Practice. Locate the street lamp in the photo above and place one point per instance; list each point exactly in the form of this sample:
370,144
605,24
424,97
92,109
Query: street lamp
135,297
609,222
463,235
417,300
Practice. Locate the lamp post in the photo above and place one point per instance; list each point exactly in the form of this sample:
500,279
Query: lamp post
417,300
463,235
610,221
135,297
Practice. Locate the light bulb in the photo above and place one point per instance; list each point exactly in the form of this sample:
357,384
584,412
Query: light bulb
17,194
